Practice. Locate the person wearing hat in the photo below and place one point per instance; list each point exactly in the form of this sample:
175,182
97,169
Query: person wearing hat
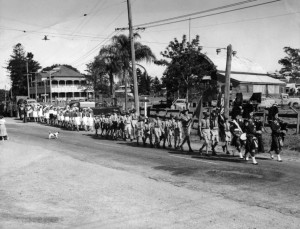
157,130
186,121
236,129
204,127
134,120
128,127
139,128
259,130
147,132
227,135
214,131
273,110
170,130
279,129
177,132
251,145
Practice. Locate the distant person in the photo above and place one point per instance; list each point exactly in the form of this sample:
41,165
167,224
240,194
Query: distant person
3,132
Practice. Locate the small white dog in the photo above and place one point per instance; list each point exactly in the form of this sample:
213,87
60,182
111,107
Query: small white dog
53,135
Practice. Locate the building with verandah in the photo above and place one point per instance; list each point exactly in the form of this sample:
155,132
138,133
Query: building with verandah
66,85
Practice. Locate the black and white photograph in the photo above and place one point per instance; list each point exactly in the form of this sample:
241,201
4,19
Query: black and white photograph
150,114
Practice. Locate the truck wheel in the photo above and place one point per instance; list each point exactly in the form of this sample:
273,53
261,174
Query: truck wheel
295,104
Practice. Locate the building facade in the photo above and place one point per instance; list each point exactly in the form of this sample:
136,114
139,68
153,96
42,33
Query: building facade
66,84
246,77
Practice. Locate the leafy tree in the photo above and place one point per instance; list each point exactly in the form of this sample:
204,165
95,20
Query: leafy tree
144,81
186,66
291,63
112,66
97,79
156,85
17,69
120,51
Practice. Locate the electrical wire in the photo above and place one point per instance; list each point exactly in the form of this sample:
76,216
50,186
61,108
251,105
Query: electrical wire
98,45
192,14
232,22
227,11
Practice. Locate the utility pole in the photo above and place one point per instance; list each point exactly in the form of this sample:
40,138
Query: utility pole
35,86
50,87
135,84
28,90
227,80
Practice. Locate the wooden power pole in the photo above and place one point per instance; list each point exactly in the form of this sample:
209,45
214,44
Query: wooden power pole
227,80
135,84
28,90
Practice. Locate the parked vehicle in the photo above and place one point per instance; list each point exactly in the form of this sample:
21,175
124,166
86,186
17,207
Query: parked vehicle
283,100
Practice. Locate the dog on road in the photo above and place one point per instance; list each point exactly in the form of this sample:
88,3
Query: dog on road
53,135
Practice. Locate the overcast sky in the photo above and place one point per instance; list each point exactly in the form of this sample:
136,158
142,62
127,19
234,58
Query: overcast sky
257,33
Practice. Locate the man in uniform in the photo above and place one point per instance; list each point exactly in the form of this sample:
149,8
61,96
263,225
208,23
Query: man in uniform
158,131
214,130
204,129
279,129
186,121
251,142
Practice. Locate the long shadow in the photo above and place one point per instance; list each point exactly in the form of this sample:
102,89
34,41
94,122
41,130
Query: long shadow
219,157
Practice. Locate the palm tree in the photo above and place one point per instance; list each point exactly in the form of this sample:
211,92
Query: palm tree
119,52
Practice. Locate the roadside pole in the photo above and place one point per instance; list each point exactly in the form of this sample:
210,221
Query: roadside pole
28,91
35,86
135,85
227,80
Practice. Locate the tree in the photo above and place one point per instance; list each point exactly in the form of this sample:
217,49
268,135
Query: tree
186,66
291,63
156,85
97,79
120,51
16,67
144,81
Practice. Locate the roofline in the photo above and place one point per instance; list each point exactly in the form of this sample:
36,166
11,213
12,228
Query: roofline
245,73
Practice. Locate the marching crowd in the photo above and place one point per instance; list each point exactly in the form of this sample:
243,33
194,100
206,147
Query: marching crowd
243,133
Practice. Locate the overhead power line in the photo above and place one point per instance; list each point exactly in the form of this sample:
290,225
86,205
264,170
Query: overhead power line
208,15
225,23
192,14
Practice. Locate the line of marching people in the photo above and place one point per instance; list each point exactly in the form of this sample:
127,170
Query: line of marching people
242,134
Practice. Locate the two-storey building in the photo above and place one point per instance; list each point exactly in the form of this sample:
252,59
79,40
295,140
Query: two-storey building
66,84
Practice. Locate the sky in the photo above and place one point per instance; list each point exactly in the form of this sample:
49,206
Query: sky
257,33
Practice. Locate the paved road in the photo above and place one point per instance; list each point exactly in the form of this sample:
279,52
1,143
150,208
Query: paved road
218,192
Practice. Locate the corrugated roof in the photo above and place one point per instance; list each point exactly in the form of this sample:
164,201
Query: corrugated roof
255,79
63,73
238,64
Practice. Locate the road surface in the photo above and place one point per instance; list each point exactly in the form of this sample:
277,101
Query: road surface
80,181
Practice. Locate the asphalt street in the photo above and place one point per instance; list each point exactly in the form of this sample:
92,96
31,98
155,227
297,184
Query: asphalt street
234,193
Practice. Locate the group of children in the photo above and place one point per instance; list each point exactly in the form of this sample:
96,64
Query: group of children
243,133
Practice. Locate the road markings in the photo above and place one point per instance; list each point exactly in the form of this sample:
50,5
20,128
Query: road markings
192,159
